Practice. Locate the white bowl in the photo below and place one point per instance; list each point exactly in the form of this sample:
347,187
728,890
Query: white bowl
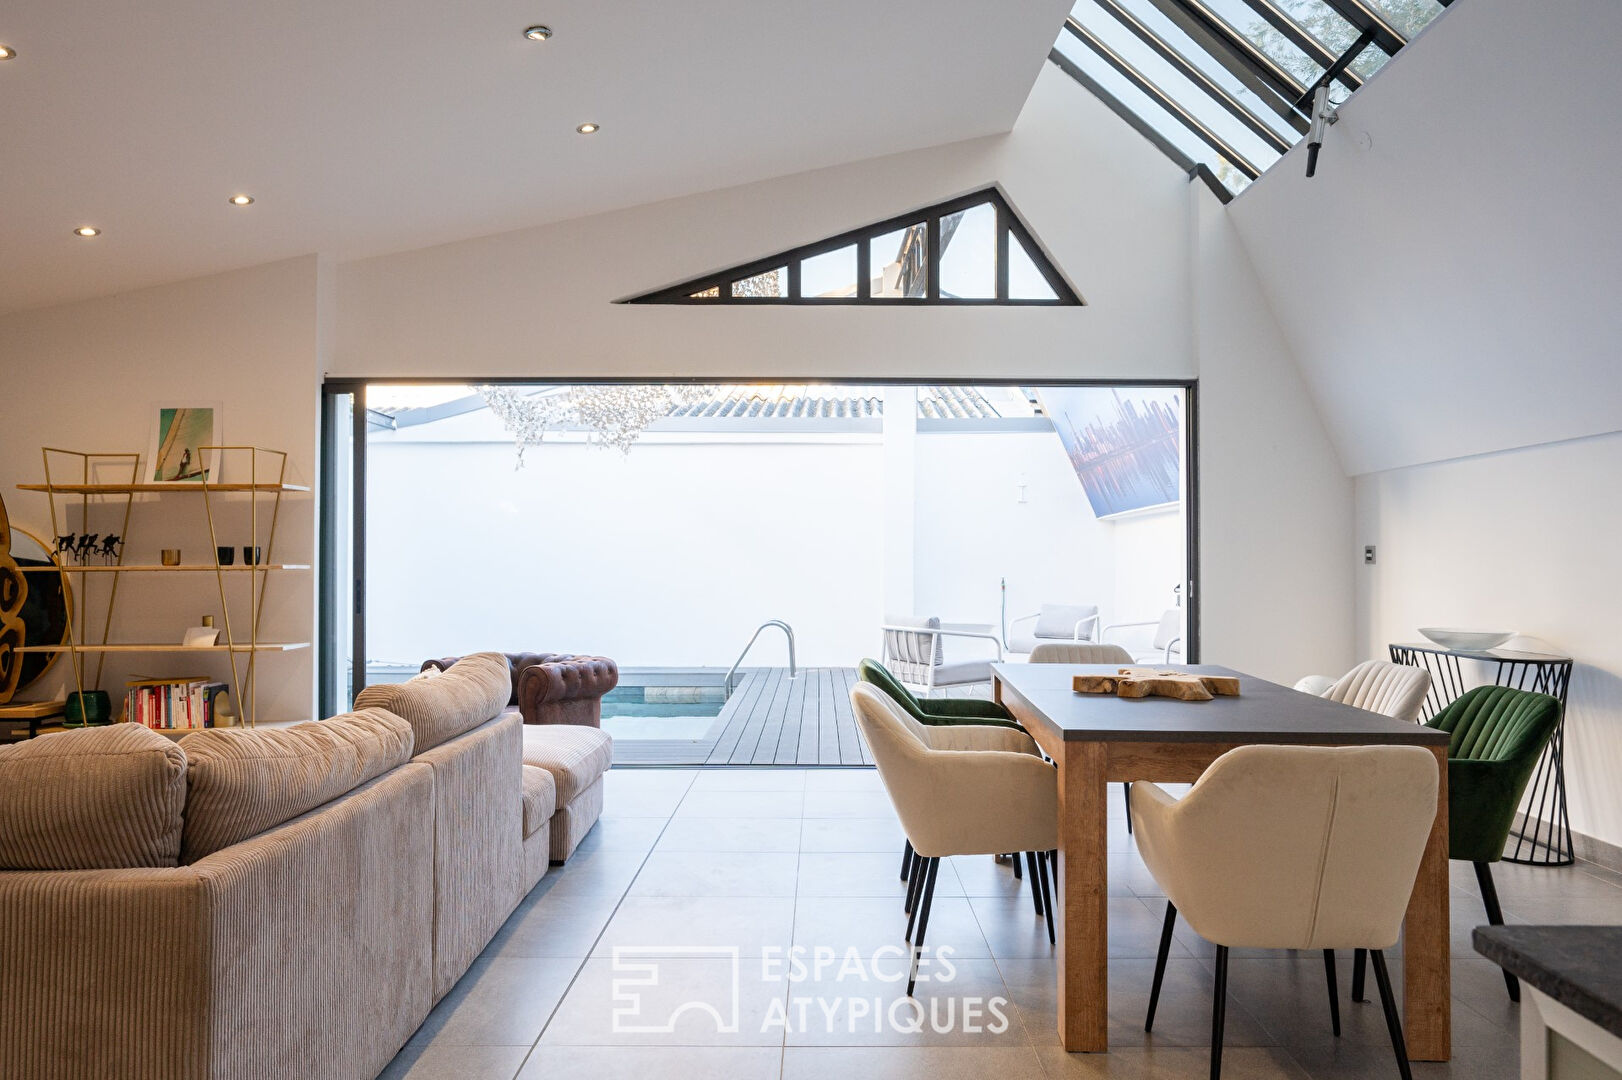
1466,640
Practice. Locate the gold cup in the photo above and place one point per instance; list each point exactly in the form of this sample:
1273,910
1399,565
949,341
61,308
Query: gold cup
170,556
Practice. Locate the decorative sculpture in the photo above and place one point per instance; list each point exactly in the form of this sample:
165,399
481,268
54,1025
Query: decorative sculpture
13,593
1137,682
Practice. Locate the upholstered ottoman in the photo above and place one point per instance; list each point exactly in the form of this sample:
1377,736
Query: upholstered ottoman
576,758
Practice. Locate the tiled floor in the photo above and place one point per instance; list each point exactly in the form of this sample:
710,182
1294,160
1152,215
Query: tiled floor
710,876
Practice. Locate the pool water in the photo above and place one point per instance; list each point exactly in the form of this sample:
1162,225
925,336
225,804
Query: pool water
652,701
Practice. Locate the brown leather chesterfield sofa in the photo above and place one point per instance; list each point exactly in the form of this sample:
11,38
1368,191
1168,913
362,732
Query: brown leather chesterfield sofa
555,688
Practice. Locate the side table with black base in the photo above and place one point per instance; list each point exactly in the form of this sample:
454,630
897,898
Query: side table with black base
1545,835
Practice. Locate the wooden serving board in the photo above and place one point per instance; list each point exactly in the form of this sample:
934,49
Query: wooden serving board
1137,682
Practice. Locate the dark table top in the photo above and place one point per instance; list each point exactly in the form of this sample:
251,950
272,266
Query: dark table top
1578,966
1263,711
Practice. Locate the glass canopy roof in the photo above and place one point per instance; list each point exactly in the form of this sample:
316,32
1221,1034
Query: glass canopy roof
1228,84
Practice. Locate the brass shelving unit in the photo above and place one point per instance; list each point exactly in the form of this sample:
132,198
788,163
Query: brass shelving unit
267,481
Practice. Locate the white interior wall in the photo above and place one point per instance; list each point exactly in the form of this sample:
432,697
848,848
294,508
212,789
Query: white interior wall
88,376
1276,554
1523,540
1451,289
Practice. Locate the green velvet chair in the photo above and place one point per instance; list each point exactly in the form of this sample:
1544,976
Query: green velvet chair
1497,734
934,711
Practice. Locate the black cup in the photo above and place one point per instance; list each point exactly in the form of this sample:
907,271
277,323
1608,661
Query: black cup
250,556
225,555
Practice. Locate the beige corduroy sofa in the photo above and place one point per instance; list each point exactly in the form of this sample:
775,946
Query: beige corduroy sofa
267,903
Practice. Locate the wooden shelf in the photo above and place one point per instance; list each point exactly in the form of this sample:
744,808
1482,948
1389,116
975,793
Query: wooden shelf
241,647
155,489
144,568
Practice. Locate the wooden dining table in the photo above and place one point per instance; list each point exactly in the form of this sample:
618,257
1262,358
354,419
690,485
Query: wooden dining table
1099,739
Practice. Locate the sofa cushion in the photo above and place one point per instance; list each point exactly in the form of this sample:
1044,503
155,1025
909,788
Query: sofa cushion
472,691
94,799
242,781
575,756
540,799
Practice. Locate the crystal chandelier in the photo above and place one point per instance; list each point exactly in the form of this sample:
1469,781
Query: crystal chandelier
613,414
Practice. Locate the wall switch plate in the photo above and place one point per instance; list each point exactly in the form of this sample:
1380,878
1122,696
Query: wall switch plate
1368,554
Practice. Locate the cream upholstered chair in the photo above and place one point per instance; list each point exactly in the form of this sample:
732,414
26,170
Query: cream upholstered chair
1292,847
1394,690
1084,652
954,798
1316,685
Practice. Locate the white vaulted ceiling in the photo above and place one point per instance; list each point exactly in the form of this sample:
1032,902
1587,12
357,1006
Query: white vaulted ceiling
363,128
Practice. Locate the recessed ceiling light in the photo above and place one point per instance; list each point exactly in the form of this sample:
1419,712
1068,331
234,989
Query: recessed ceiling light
7,52
587,129
87,231
538,33
241,200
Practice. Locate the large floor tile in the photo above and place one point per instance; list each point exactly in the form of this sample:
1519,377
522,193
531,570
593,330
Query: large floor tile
596,873
702,873
854,834
983,875
1012,927
622,834
731,834
847,804
699,1001
1173,1063
1183,1017
753,925
957,1002
741,805
653,1063
912,1062
868,925
645,792
554,926
734,779
444,1061
844,780
864,874
501,1001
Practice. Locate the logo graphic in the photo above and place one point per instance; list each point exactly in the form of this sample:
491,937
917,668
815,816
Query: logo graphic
640,1008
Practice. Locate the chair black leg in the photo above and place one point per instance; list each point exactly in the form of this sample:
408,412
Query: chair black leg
1495,916
1360,959
1160,964
1047,894
1334,991
1015,857
906,860
923,921
1219,1011
1393,1022
1126,789
914,886
1036,892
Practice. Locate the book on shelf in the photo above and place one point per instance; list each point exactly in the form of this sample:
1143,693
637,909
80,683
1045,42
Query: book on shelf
180,703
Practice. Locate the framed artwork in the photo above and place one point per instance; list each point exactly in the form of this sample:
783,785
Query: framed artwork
175,453
1125,444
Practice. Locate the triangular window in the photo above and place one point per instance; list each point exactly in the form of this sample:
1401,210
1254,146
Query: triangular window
971,250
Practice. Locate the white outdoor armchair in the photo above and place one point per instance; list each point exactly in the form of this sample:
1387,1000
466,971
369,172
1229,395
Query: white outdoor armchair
915,652
1168,639
1055,622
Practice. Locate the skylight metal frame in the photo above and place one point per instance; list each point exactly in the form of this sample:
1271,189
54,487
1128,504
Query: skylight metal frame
1232,50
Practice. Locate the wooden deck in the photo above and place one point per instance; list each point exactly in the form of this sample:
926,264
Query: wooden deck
770,719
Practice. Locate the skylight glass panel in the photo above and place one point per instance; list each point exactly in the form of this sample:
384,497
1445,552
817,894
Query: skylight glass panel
969,253
1025,281
1406,17
829,275
900,263
766,285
